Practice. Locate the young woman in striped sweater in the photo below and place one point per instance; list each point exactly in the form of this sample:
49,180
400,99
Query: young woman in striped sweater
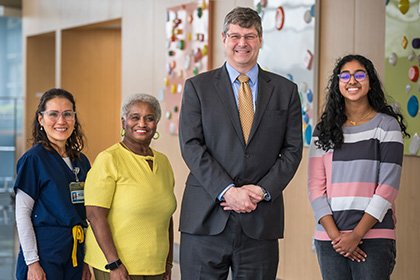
354,173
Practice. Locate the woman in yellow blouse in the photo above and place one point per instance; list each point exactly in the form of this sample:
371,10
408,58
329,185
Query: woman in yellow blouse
129,201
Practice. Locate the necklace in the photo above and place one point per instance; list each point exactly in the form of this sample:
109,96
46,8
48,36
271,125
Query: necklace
125,146
355,122
149,161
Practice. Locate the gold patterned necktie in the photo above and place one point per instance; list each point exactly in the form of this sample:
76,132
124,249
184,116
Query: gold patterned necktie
246,109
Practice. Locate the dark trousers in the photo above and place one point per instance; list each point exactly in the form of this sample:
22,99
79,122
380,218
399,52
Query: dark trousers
379,264
209,257
55,245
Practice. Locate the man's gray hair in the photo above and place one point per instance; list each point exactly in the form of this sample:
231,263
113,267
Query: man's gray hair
244,17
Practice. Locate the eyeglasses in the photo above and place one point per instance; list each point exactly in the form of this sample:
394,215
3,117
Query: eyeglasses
237,37
55,115
358,76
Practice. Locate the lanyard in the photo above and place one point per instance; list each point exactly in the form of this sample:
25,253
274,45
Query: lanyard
76,171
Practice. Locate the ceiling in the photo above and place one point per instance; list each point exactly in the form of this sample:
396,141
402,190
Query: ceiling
11,3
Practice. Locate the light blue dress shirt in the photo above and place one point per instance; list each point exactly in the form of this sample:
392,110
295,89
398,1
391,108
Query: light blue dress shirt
253,84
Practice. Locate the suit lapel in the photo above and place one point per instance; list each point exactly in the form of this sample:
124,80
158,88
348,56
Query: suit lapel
265,90
225,92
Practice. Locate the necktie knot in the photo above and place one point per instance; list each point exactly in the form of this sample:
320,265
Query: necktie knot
243,78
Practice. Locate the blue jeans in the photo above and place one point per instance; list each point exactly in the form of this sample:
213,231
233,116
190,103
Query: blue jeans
379,264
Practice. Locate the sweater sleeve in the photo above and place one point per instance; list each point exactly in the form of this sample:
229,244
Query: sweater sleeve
391,157
317,182
24,207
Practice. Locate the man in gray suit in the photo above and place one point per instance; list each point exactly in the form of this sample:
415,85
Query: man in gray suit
232,212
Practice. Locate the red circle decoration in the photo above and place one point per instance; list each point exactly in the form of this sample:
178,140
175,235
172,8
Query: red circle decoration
263,3
279,18
413,73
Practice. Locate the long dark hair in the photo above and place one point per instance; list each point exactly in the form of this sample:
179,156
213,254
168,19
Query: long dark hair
75,143
333,117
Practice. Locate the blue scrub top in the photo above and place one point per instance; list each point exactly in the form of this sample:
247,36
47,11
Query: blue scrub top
45,176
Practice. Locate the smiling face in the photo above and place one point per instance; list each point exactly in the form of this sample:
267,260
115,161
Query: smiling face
57,131
241,54
140,123
354,91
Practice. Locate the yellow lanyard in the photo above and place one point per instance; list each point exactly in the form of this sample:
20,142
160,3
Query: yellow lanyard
78,235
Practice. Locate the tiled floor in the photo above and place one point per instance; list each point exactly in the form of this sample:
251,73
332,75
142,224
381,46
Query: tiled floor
7,237
176,273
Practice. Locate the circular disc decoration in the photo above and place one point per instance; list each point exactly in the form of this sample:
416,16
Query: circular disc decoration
307,17
413,73
263,3
413,106
279,18
393,59
308,134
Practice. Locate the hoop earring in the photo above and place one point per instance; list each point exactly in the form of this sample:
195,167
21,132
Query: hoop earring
156,137
122,132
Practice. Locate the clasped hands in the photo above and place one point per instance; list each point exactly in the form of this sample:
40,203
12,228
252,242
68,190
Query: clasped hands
242,199
347,245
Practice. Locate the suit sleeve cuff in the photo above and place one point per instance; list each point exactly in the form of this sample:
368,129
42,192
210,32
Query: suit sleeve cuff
220,196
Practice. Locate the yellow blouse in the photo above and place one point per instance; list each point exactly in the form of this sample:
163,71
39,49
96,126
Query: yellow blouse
141,203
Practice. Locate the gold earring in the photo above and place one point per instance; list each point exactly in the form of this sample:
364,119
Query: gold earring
156,137
122,132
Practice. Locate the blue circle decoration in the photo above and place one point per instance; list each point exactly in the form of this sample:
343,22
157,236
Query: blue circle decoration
413,106
308,134
306,118
290,77
309,95
313,10
386,2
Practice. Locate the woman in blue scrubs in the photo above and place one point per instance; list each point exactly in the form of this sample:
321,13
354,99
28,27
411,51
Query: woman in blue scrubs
50,212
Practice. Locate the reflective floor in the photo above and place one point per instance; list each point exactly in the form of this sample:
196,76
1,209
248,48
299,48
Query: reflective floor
7,235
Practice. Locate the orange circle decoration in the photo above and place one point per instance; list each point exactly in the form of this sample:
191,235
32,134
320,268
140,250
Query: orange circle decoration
279,18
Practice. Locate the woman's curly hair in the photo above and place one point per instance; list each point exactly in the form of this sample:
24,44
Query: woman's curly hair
75,143
334,116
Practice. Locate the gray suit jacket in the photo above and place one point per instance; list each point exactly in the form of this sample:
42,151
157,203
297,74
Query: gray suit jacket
214,149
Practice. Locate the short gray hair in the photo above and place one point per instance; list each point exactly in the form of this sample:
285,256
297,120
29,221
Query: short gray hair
141,97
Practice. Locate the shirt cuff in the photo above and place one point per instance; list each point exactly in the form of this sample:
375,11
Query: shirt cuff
220,196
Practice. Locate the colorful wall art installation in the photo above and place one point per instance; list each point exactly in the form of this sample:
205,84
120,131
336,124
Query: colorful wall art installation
402,63
289,49
187,53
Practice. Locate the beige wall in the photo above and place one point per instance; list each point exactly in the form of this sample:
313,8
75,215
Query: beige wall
142,70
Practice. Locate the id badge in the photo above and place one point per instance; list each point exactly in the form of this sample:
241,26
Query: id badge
77,193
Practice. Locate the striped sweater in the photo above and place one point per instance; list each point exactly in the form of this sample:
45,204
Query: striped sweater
362,176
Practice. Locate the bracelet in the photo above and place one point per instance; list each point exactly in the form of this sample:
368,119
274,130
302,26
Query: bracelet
170,263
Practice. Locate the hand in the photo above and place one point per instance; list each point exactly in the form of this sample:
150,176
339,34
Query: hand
358,255
167,275
346,244
238,200
86,272
35,272
120,273
257,190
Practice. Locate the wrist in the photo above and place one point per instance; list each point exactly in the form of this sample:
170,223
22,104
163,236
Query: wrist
113,265
334,235
357,234
265,195
170,264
